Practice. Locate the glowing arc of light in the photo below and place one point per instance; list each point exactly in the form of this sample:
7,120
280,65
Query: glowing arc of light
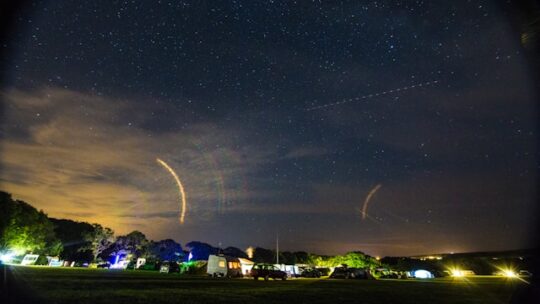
373,95
368,198
182,193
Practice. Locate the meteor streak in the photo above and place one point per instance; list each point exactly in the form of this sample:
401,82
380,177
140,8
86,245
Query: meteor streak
180,188
373,95
366,201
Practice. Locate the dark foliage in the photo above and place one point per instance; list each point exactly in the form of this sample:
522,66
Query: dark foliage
235,252
302,257
71,234
200,250
166,250
262,255
134,243
287,257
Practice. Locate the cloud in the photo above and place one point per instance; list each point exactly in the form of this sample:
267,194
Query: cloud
92,158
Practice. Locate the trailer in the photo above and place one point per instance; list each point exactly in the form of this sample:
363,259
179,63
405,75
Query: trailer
223,266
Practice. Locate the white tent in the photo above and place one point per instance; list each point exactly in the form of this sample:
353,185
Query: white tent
291,270
246,265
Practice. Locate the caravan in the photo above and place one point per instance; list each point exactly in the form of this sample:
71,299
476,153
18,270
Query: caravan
223,266
30,259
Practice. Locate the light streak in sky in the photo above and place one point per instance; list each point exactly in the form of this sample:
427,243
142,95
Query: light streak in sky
180,188
373,95
366,201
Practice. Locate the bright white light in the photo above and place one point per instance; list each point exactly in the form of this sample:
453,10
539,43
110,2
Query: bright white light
6,257
423,274
509,273
457,273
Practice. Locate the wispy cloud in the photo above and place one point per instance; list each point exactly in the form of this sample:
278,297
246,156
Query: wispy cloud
92,158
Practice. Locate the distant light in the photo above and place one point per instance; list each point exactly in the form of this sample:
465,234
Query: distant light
6,257
378,258
249,252
509,273
457,273
190,256
422,274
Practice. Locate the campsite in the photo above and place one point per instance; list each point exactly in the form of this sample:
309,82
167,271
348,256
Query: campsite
289,152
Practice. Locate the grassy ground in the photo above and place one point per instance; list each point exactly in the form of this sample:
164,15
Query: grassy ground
69,285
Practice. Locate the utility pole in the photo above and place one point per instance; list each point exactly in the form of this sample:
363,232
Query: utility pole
277,248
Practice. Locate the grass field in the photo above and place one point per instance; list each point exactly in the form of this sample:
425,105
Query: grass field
71,285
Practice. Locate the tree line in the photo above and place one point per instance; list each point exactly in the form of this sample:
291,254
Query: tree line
24,229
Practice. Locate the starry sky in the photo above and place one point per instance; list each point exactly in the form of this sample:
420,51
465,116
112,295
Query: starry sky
233,94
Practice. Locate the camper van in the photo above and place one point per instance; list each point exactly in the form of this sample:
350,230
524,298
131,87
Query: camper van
223,266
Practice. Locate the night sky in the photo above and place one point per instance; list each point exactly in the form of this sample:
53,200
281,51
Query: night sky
95,91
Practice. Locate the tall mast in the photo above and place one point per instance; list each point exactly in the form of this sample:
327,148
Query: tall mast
277,248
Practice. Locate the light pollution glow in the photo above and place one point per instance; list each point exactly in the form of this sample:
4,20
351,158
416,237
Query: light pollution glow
366,201
180,188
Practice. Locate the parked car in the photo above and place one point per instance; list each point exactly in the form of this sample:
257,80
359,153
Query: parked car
311,273
340,273
390,275
524,273
349,273
103,265
267,271
324,271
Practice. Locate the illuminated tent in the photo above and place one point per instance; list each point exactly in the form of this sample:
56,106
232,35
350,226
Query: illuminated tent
422,274
246,265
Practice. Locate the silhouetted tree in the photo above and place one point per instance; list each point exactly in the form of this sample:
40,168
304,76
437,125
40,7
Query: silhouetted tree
302,257
166,250
235,252
134,243
287,257
71,234
99,239
200,250
262,255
